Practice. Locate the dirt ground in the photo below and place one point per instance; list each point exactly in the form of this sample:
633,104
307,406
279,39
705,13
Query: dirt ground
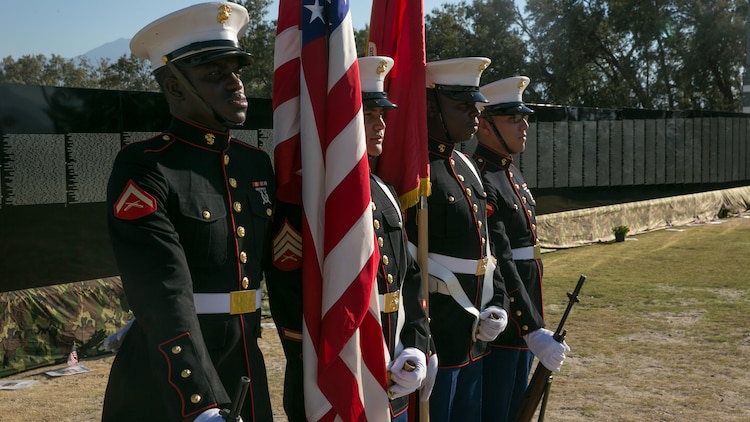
78,398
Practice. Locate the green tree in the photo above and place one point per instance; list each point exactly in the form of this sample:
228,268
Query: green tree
670,54
127,73
259,41
448,32
714,54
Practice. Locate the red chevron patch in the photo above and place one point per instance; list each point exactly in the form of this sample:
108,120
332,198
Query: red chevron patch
134,203
490,209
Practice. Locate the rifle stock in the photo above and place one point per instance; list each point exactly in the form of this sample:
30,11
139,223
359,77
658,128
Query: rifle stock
540,381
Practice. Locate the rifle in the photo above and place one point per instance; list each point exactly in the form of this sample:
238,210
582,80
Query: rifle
541,381
233,414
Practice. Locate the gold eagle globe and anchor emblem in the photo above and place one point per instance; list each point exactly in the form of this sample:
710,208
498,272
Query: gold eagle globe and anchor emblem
224,13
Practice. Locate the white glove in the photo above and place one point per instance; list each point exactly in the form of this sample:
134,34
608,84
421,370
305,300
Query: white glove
492,322
406,381
211,415
429,380
549,351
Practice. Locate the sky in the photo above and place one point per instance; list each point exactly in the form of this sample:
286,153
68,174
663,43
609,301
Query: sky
70,28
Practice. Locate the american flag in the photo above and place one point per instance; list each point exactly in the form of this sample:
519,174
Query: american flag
320,141
397,31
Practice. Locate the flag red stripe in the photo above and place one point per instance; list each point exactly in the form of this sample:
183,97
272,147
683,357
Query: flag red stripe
339,219
289,73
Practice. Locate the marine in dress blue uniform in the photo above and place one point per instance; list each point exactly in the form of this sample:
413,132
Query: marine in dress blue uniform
512,223
189,212
404,322
467,302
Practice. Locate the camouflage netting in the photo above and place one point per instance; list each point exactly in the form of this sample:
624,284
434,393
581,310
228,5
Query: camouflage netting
585,226
39,327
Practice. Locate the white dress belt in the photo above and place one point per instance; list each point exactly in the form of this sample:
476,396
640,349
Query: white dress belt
220,303
462,265
444,280
526,253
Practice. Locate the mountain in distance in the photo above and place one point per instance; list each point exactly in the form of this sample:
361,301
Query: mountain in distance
111,50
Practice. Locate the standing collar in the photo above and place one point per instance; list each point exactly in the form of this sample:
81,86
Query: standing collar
441,148
199,136
487,155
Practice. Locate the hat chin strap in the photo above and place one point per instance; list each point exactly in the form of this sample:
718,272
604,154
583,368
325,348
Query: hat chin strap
203,104
440,113
497,133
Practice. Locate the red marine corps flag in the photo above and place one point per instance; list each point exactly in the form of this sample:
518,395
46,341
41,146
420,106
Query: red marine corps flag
397,31
319,139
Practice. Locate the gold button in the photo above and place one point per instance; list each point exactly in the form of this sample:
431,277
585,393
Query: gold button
373,206
376,224
468,192
528,212
453,163
451,198
233,182
479,224
517,186
460,178
475,207
512,299
226,160
385,260
237,207
400,224
525,327
269,212
390,278
380,242
196,398
165,137
241,231
176,350
483,241
243,257
515,207
245,282
523,199
519,313
186,373
206,214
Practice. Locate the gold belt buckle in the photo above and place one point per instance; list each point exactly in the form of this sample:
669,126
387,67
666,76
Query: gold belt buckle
482,266
242,302
390,302
537,251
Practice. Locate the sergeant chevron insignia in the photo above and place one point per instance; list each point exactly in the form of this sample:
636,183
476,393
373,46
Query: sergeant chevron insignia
287,248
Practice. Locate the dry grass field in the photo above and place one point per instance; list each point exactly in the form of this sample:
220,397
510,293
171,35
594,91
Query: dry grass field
661,333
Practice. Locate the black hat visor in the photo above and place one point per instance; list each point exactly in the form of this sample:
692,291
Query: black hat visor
462,93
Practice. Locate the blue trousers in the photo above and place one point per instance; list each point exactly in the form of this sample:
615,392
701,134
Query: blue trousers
404,417
505,376
457,395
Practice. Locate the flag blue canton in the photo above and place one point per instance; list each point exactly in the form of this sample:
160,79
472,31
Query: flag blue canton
320,17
